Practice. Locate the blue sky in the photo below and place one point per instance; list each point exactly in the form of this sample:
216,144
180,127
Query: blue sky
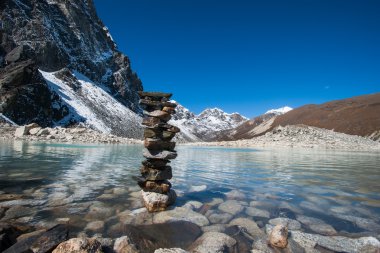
249,56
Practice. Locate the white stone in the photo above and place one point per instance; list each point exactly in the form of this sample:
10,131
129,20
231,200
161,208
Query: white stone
291,224
171,250
214,242
181,213
231,206
21,131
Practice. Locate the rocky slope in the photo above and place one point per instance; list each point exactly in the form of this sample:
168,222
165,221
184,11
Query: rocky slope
251,128
204,126
302,136
356,116
62,40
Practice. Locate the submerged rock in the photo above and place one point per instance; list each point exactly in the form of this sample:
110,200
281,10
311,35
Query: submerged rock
279,236
79,245
197,188
124,245
95,226
220,218
249,225
231,206
236,195
255,212
337,243
193,204
176,234
214,242
50,239
291,224
181,213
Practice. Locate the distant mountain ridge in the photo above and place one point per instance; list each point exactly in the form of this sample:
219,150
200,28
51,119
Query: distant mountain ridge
203,126
356,116
251,128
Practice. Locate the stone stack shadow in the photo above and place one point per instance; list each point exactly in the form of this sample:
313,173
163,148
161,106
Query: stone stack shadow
159,150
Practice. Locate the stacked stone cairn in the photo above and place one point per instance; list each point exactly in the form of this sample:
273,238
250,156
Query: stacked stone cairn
159,150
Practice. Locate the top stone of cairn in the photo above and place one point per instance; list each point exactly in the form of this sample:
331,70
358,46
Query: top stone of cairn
157,95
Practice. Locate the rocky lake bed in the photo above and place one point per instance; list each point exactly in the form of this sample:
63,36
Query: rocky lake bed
41,208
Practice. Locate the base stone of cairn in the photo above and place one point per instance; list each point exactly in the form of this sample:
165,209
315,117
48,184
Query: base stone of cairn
159,150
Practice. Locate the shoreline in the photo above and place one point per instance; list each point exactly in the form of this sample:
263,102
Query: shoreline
301,137
281,137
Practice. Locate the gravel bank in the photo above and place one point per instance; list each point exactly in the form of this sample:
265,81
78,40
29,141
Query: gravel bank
301,136
33,132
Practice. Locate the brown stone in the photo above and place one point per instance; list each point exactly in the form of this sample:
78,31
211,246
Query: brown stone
155,186
164,116
167,136
170,110
151,133
279,236
150,102
169,104
158,133
155,95
151,121
159,144
79,245
156,174
170,128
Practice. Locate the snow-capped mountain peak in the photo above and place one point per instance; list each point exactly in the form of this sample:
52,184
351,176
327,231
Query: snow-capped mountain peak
279,111
202,126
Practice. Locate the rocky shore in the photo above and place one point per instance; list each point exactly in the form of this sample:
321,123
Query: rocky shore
80,134
301,136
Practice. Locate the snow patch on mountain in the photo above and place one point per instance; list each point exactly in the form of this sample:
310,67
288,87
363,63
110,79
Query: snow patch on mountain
279,111
202,127
91,104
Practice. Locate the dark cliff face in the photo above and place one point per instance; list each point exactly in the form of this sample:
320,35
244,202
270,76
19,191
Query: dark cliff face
57,34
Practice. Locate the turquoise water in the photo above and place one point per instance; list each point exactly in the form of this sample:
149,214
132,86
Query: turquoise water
63,180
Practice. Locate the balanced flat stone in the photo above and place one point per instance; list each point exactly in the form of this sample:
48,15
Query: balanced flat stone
144,94
159,114
155,174
158,133
157,103
170,110
157,144
170,128
156,154
151,122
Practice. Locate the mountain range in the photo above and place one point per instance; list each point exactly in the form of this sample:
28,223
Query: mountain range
57,59
59,66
